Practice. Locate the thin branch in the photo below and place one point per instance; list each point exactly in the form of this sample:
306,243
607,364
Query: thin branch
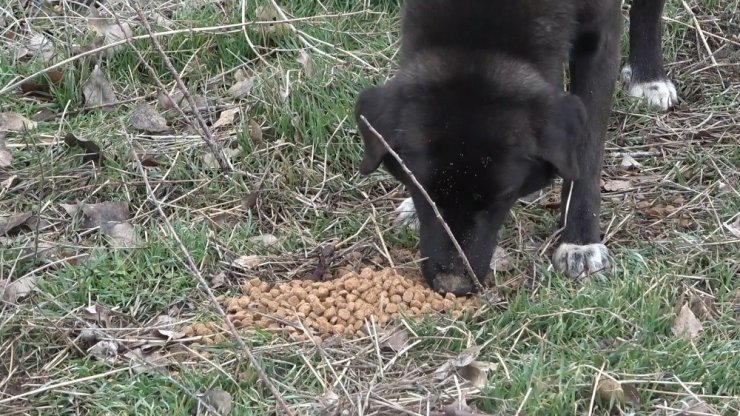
204,284
421,189
223,163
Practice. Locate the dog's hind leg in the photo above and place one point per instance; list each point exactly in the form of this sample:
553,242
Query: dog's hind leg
594,67
644,76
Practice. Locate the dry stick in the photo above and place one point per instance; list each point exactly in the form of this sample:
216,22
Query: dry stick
421,189
204,131
194,269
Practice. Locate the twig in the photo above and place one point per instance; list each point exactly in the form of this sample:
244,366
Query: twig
196,272
204,130
421,189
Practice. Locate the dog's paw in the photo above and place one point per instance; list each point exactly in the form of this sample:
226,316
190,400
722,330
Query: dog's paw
406,215
660,93
576,260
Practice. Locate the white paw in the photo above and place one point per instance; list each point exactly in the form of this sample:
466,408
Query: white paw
661,93
406,215
576,260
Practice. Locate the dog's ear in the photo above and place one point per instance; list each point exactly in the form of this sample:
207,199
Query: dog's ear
378,105
562,142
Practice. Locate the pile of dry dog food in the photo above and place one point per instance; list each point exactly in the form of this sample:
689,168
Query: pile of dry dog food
335,307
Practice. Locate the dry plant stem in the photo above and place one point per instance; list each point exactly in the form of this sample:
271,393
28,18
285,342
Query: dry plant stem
196,272
204,131
437,214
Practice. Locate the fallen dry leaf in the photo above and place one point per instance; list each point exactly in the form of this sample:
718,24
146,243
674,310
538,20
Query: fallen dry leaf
141,361
15,122
226,118
7,183
305,60
628,162
6,159
218,280
98,91
692,407
122,234
255,132
219,400
109,29
104,350
734,227
241,88
686,324
38,46
241,74
464,358
71,209
610,391
146,118
95,215
8,224
476,373
248,262
98,313
617,185
209,160
267,13
19,289
501,261
396,338
266,240
92,150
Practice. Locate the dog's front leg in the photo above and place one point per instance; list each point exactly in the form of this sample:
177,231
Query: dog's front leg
594,67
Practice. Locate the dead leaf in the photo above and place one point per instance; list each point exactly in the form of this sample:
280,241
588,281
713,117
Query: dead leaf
15,122
99,314
122,234
98,91
610,391
40,86
617,185
328,399
250,201
734,227
476,373
219,400
241,88
109,29
628,162
218,280
465,357
6,159
141,361
19,289
305,60
45,114
248,262
92,150
38,46
692,407
396,338
7,183
169,101
146,118
226,118
95,215
71,209
241,74
266,240
105,351
168,335
268,13
501,261
255,132
209,160
8,224
686,324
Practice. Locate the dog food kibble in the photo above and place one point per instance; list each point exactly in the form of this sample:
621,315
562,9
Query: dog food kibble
335,307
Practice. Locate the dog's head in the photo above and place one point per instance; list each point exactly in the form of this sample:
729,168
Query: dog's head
476,138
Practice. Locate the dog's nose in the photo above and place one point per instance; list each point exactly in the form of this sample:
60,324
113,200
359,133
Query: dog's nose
455,283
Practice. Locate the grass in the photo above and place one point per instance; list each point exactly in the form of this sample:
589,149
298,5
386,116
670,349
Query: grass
550,340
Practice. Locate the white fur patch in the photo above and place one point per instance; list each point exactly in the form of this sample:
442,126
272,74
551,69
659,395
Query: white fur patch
661,93
406,215
575,260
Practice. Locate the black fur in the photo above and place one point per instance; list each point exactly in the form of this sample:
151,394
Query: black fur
478,114
645,58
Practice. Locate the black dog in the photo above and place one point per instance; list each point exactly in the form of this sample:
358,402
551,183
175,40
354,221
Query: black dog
477,113
644,76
